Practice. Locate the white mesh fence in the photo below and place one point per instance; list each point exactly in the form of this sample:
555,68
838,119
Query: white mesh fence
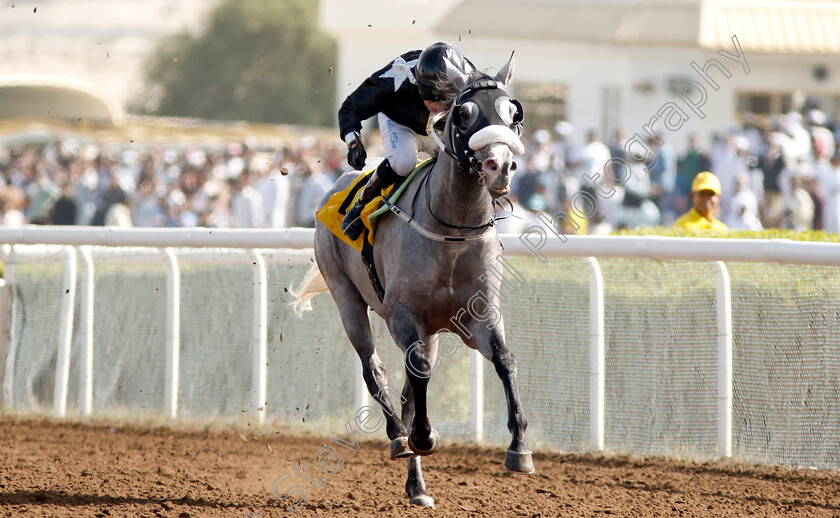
786,365
660,335
547,328
661,357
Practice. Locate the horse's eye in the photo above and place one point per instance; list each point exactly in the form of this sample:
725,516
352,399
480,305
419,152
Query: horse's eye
468,114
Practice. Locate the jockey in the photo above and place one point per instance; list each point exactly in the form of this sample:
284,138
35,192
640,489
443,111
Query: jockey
404,94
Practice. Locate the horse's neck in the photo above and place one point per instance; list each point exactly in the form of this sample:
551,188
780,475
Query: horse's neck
457,197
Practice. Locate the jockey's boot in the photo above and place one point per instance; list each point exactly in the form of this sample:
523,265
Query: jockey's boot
383,177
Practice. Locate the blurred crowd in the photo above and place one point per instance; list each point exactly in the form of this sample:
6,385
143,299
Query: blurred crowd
240,185
784,173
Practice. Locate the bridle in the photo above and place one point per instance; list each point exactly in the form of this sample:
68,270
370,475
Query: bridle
458,147
460,150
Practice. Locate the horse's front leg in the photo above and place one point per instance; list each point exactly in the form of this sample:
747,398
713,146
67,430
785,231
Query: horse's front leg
415,486
491,344
420,355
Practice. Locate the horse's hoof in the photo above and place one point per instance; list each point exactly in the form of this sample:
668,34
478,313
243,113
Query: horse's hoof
519,462
400,449
434,437
422,501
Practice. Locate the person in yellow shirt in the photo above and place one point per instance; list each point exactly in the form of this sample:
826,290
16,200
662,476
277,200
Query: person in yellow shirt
705,196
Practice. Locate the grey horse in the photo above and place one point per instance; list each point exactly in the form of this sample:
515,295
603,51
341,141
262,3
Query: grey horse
439,266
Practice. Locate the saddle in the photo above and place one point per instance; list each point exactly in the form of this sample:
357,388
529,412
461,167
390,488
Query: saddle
332,213
339,203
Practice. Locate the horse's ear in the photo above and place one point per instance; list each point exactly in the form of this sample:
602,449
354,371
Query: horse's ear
505,75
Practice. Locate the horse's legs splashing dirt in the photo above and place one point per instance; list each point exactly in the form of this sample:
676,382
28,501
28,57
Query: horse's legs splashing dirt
353,311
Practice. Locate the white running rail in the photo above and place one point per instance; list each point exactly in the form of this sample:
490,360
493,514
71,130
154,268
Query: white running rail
533,243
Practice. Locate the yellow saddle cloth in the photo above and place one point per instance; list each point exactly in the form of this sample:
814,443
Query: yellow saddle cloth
331,214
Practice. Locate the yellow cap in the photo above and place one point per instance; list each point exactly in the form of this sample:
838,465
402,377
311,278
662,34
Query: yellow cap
705,181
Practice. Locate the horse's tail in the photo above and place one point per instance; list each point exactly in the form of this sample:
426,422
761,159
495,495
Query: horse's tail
312,284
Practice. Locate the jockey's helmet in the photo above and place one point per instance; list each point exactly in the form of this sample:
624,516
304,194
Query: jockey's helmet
433,71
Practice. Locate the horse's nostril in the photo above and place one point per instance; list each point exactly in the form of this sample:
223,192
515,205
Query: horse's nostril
513,166
491,165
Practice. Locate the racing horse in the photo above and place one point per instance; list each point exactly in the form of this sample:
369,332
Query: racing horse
438,265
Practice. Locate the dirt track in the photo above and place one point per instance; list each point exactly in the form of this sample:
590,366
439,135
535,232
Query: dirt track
60,470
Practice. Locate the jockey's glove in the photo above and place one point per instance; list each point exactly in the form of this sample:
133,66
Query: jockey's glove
356,154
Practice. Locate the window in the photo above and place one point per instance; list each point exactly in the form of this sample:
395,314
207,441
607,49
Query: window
764,104
544,104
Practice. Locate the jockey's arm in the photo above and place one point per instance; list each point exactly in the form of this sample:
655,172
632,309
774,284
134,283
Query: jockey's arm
366,101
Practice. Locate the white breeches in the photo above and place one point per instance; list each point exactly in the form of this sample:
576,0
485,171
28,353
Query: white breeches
402,144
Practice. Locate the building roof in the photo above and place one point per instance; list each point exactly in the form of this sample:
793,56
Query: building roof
775,26
778,26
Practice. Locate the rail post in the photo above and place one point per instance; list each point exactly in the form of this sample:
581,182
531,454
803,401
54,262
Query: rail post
596,355
259,337
86,290
173,333
65,332
723,295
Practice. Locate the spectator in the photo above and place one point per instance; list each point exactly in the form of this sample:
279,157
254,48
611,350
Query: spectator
246,208
663,178
595,153
798,212
43,194
637,208
119,213
705,197
817,197
744,214
616,145
65,210
149,205
315,186
275,190
538,199
112,195
829,183
772,164
531,176
690,165
822,188
12,201
218,216
179,213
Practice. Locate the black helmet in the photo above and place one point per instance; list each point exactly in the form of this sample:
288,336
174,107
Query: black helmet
431,71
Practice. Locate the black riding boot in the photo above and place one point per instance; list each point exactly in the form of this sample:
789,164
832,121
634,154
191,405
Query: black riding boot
383,177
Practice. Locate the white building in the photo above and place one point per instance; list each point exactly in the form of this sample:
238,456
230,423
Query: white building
56,54
610,64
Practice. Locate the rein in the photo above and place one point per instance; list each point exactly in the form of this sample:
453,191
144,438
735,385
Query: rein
445,224
434,236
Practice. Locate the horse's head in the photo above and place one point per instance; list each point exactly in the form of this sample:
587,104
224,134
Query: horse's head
485,125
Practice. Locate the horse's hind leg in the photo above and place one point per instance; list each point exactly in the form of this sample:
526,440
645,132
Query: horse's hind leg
353,311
